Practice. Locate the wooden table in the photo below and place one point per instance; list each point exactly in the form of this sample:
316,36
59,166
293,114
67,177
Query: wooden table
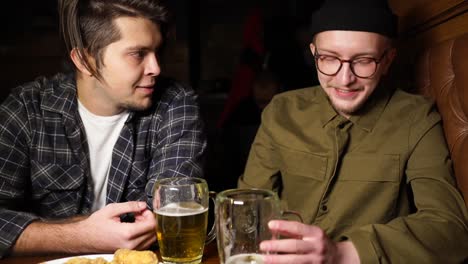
210,256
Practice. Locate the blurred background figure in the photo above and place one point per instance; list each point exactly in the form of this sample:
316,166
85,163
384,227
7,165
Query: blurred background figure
288,56
250,62
239,130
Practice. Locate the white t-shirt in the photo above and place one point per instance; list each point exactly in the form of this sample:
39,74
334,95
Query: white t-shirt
102,132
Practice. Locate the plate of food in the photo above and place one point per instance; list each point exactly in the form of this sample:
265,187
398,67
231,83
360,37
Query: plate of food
121,256
84,259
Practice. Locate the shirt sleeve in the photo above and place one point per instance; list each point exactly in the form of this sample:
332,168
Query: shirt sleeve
437,232
180,151
14,173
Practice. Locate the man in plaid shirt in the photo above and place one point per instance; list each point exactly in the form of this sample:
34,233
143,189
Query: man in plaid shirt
79,151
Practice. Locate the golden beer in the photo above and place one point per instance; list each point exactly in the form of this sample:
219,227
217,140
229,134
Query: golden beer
181,232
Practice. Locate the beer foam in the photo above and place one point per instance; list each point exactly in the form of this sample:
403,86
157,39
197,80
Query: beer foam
181,209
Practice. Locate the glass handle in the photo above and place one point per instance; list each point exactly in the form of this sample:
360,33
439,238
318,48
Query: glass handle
298,215
212,234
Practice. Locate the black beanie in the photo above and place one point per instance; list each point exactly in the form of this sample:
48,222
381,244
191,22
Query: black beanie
355,15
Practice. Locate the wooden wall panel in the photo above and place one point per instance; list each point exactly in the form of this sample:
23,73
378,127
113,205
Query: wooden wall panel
451,28
422,24
420,12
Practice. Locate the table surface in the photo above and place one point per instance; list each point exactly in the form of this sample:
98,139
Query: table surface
210,256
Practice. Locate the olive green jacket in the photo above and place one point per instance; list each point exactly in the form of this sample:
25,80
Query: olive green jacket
382,179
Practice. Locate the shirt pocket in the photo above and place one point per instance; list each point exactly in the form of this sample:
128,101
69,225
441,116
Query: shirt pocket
56,177
367,189
57,186
371,168
303,175
303,164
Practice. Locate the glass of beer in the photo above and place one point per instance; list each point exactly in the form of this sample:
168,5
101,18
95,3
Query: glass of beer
181,209
242,217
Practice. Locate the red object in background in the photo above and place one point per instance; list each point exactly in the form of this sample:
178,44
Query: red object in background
245,73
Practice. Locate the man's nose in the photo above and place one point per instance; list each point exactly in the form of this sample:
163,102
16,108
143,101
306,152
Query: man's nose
152,66
345,76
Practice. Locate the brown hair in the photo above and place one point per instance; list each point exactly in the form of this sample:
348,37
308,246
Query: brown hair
87,25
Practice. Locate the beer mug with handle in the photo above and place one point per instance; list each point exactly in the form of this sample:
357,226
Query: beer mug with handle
242,217
181,209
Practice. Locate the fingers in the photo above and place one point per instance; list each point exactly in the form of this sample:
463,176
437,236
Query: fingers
290,246
142,241
294,229
296,251
145,223
305,244
141,233
145,215
296,259
117,209
107,232
146,241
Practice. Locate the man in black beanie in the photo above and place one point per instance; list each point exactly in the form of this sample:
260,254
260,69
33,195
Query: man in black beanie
366,165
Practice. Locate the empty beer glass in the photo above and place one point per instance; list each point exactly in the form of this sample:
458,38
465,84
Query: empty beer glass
242,218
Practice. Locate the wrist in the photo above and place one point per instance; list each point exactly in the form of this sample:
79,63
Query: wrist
347,253
80,234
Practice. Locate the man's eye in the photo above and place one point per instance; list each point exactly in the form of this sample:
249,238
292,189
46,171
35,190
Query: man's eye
327,58
363,61
139,54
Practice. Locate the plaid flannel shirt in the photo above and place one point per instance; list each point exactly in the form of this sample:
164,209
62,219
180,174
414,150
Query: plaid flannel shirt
44,168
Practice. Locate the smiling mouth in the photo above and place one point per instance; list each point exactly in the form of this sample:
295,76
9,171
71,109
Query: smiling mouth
146,86
145,89
347,90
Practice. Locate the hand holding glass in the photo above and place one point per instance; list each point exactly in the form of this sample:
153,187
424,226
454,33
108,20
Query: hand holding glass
242,218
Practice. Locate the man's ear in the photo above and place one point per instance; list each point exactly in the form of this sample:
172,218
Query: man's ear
312,48
391,53
79,61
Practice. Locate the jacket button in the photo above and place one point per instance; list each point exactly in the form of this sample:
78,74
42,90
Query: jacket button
324,208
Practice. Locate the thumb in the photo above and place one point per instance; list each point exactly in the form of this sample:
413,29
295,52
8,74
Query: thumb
117,209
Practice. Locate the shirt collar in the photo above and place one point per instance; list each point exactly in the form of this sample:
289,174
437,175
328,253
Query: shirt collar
61,95
328,112
366,118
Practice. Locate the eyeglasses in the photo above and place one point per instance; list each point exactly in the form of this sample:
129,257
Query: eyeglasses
362,67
